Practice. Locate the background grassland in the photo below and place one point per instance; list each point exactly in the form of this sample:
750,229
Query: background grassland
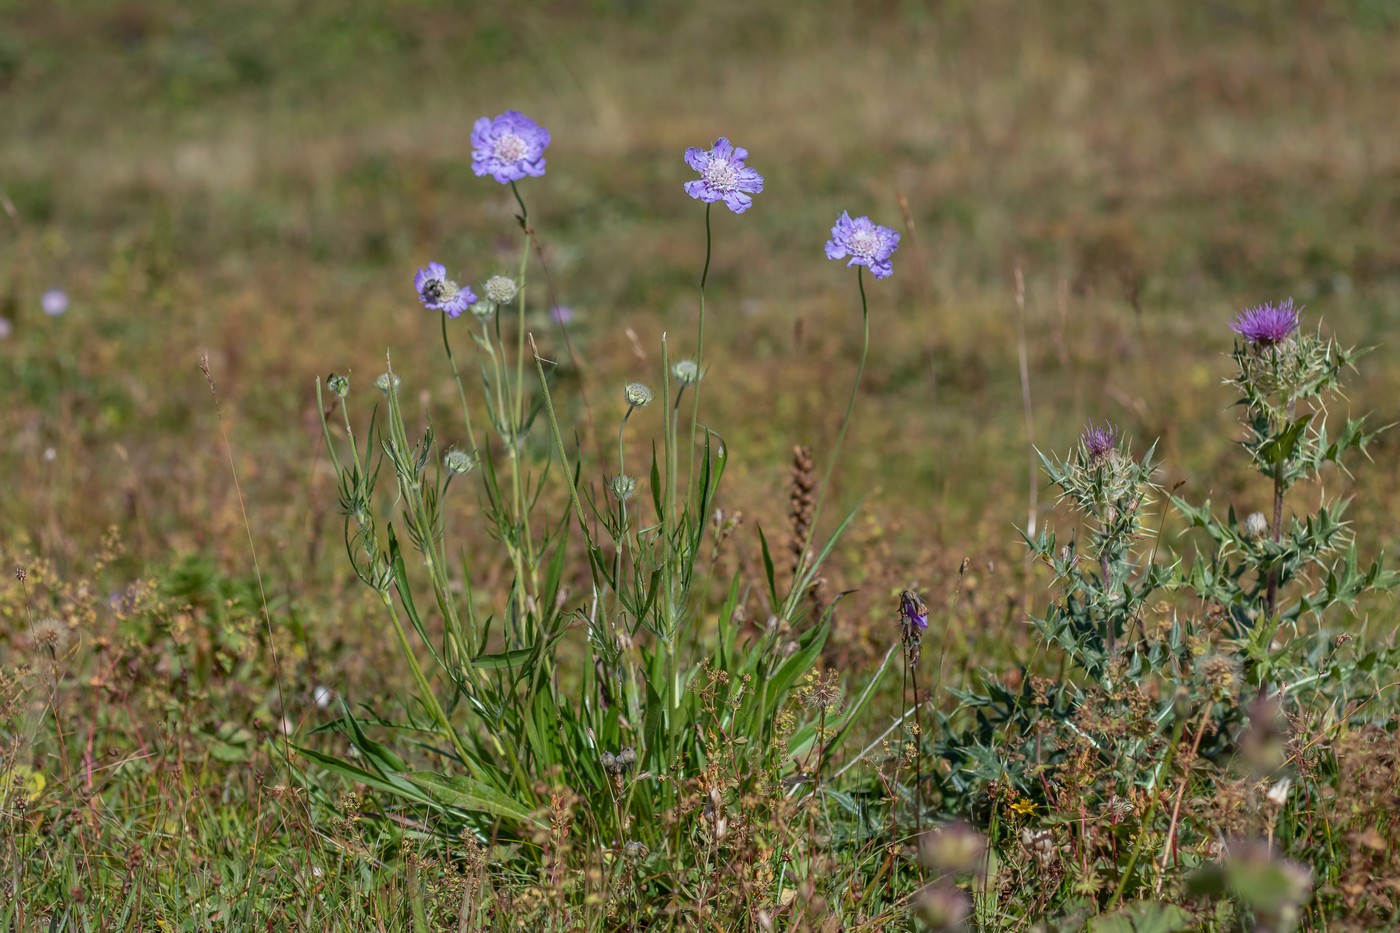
260,182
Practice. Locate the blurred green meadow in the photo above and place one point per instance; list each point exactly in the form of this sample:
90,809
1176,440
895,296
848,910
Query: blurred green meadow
1098,185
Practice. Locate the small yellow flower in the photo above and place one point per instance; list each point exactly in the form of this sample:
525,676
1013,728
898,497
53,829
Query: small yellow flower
1023,806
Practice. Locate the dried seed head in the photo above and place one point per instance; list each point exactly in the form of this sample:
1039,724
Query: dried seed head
50,636
1221,673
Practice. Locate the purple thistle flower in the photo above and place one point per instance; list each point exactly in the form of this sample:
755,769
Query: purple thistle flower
54,301
723,176
866,242
439,293
508,147
1266,325
1098,441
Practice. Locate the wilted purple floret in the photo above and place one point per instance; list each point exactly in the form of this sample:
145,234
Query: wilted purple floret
509,147
866,242
913,613
1099,441
1267,324
723,176
439,293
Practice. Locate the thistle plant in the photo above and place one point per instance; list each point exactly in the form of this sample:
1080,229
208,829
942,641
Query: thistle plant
1169,676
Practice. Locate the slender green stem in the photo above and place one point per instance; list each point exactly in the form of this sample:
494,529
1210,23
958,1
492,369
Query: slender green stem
804,572
461,392
699,347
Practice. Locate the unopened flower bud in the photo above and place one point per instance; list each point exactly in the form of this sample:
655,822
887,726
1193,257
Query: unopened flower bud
338,384
459,462
623,486
637,395
388,382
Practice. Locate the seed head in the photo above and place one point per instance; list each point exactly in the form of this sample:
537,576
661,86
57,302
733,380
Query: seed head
637,395
500,289
1221,673
49,635
636,851
686,372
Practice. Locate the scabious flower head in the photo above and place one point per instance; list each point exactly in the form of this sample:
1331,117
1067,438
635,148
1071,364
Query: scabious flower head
637,395
338,384
686,372
6,328
387,382
865,242
1098,441
508,147
723,176
500,289
1267,325
561,314
439,293
54,301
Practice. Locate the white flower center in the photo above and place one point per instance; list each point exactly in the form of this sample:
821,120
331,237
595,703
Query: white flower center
510,148
864,242
721,173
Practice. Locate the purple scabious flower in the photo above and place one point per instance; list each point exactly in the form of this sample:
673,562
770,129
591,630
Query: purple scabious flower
561,314
439,293
1266,325
866,242
508,147
723,176
54,302
1098,441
